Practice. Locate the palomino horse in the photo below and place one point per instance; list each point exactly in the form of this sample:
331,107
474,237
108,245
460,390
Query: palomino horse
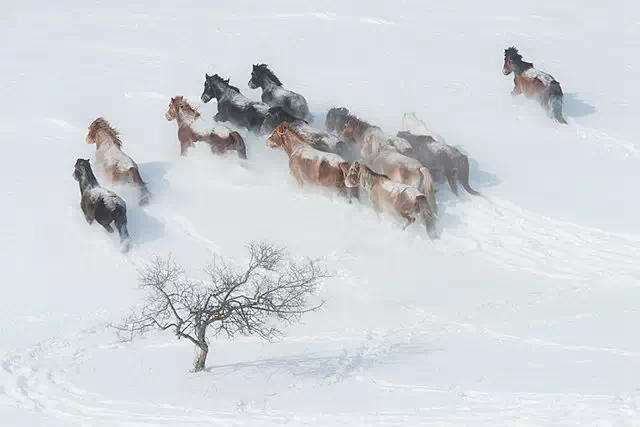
308,165
393,197
433,152
115,163
240,110
99,204
534,83
275,95
220,139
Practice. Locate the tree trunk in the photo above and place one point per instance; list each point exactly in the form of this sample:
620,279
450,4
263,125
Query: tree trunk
201,360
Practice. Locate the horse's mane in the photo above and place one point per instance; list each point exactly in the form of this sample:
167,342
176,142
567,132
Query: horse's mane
226,82
512,54
338,112
372,172
264,70
184,105
285,127
356,122
101,124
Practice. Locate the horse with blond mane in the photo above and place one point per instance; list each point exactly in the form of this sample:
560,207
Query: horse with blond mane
114,162
220,139
393,197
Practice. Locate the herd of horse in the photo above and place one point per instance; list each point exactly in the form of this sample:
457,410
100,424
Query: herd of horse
351,156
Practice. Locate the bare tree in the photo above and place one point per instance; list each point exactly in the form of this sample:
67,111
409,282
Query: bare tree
232,301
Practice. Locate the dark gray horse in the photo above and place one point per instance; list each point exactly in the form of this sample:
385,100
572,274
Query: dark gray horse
99,204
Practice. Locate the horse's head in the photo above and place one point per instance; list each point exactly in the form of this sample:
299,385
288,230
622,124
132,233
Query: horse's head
259,73
352,175
277,136
100,131
511,55
81,168
353,129
256,77
336,118
173,110
211,87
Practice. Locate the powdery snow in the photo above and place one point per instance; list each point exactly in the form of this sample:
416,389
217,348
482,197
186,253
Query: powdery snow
522,313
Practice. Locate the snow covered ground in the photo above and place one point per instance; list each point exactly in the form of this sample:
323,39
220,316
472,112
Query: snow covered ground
524,313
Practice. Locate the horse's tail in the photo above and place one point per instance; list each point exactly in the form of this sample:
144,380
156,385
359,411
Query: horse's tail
427,216
145,194
463,175
239,144
121,224
555,101
427,188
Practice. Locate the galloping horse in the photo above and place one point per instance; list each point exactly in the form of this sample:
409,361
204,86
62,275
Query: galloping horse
352,129
220,139
434,153
240,110
393,157
308,165
275,95
116,164
390,196
99,204
326,142
534,83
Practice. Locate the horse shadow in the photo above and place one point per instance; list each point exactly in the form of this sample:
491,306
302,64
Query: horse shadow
143,228
154,174
575,107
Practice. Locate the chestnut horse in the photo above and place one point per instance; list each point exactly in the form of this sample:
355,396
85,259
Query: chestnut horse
115,163
99,204
274,95
534,83
307,164
404,200
220,139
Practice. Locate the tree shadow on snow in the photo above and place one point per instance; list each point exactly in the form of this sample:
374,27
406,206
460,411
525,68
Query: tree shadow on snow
330,367
575,107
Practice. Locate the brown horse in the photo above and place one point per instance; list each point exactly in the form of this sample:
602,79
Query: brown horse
534,83
393,157
115,163
404,200
307,164
220,140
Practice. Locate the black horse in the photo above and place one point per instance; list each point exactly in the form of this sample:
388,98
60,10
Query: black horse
99,204
275,95
236,108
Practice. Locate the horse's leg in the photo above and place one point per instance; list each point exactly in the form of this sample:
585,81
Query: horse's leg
184,146
410,220
87,211
106,224
516,91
